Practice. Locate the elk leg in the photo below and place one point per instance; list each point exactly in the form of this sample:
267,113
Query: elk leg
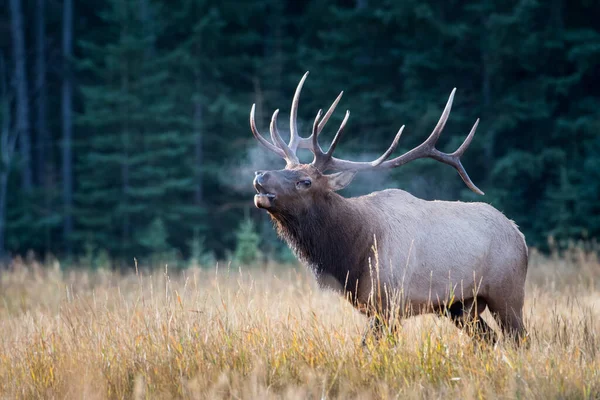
466,316
374,327
510,319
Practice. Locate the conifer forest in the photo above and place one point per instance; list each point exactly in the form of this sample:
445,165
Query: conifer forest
125,134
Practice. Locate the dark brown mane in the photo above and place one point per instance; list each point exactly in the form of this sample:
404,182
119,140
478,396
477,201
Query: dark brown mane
329,238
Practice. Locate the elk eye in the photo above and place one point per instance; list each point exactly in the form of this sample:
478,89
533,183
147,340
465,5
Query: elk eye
305,183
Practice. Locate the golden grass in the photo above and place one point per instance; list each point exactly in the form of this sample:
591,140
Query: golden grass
271,333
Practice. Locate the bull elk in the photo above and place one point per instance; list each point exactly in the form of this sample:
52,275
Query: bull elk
446,257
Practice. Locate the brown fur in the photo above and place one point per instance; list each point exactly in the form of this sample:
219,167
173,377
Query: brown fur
435,254
326,241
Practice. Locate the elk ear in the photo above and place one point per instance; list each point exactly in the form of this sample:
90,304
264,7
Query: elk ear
340,180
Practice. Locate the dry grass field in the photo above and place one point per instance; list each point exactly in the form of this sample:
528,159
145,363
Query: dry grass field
269,332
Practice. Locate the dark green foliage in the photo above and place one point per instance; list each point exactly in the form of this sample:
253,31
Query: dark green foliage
135,161
246,249
200,255
163,91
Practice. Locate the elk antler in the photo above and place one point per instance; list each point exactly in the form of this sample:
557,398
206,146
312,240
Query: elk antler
288,152
425,149
325,160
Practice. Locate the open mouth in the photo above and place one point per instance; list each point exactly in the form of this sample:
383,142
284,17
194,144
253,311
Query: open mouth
263,199
261,191
267,195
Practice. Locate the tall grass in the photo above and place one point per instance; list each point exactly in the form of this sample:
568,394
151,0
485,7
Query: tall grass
271,333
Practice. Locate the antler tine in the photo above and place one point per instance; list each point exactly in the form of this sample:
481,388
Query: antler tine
321,161
290,156
455,158
294,136
313,136
260,138
460,151
465,177
314,142
439,127
338,135
329,112
306,143
390,150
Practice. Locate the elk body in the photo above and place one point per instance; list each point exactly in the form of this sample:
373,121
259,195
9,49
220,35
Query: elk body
389,250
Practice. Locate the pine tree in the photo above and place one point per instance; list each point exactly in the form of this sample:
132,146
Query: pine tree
137,163
246,250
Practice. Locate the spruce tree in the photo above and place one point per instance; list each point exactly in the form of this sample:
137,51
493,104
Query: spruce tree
136,159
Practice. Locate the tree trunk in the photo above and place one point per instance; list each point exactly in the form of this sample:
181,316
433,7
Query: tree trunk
42,144
198,134
67,123
125,137
126,222
198,149
125,185
8,140
486,92
3,187
20,77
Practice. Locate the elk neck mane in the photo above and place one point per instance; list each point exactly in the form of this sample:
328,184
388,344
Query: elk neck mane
333,236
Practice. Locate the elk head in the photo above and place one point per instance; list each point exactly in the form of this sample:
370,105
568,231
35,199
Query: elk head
298,186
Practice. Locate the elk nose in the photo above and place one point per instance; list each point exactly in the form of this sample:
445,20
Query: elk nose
259,177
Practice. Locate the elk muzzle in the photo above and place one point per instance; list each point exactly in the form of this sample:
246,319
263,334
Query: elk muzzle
263,198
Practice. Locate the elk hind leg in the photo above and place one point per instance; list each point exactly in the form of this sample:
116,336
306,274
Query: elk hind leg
510,318
466,315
